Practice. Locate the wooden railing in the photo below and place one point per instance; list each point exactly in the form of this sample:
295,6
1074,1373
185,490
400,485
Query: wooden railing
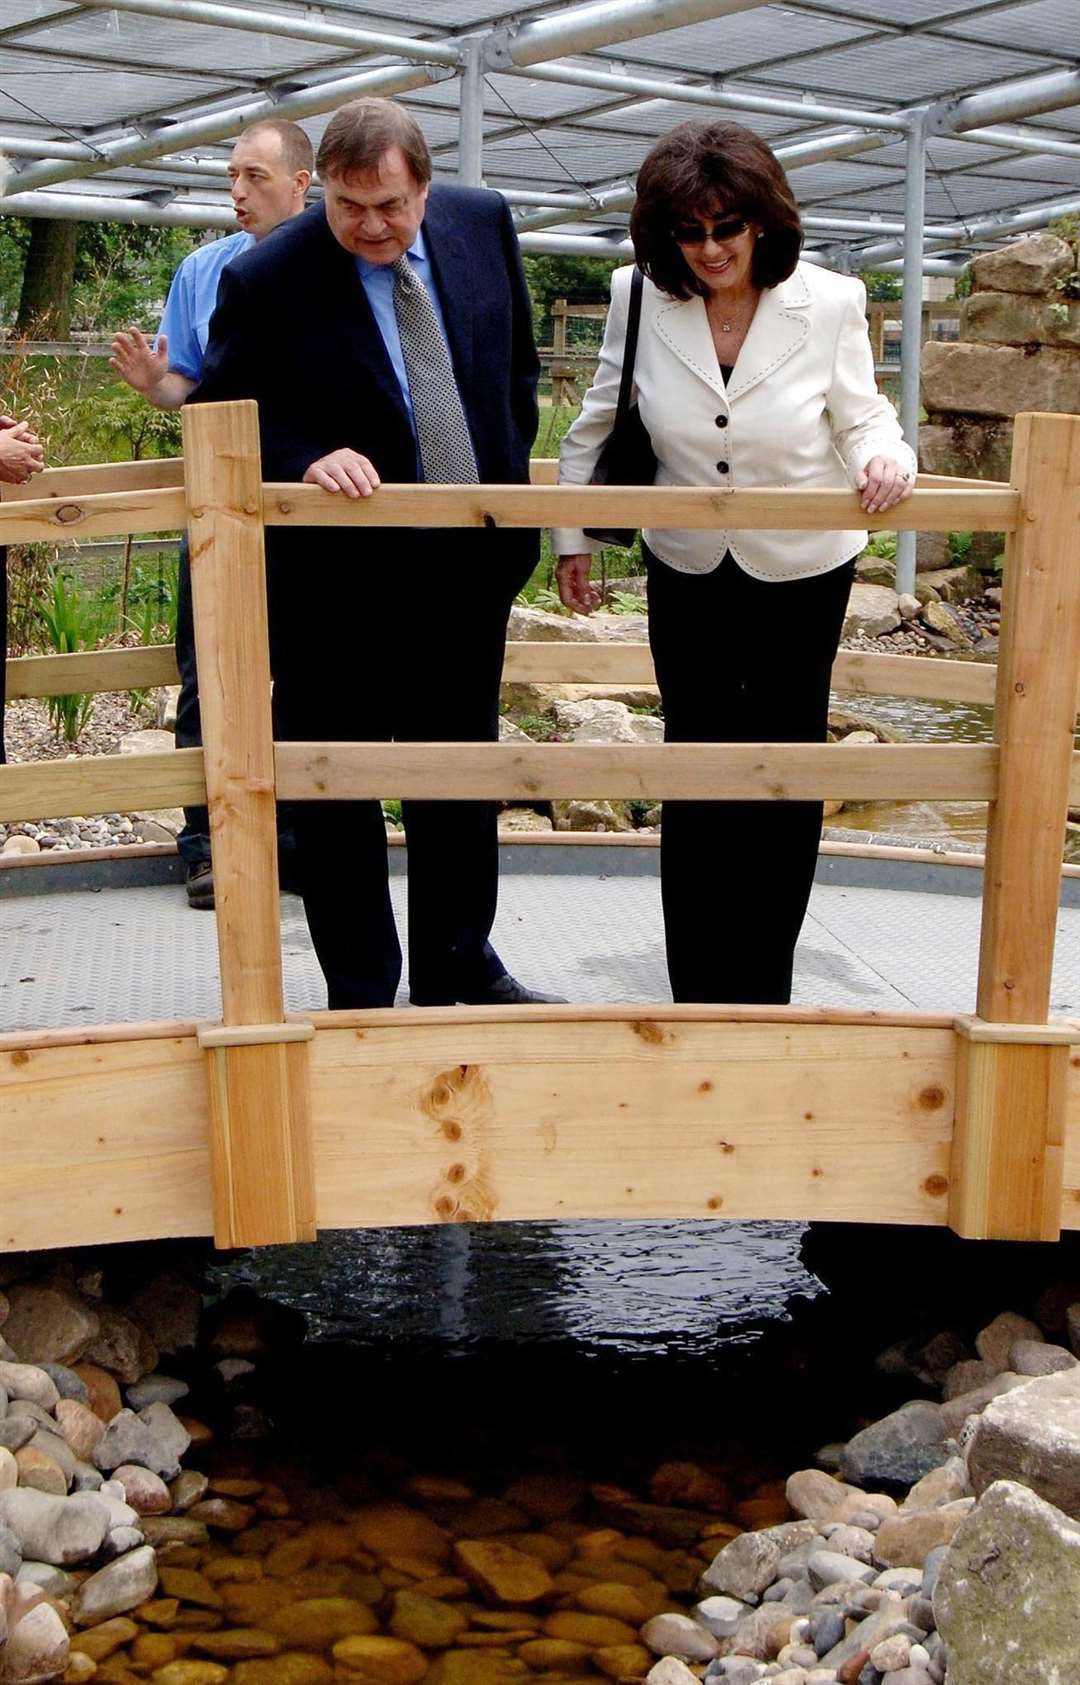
378,1117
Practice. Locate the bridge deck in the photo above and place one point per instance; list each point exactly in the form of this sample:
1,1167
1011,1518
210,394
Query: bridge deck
580,921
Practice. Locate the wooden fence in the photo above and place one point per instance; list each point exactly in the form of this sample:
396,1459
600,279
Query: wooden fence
263,1127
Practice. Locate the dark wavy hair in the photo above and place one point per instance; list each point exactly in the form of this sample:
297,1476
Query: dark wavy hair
711,168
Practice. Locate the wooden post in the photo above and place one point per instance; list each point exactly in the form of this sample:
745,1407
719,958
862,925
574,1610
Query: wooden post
257,1064
1007,1174
558,349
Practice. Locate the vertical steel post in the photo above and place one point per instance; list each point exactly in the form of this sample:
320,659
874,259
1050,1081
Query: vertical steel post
471,115
911,330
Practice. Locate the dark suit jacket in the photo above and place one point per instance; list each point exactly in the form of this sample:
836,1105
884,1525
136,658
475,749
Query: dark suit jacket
293,328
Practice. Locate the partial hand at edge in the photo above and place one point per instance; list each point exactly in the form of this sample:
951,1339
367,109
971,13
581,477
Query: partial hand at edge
343,470
575,589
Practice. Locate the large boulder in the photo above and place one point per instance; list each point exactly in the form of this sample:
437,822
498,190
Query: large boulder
52,1529
1030,265
1008,1590
37,1647
49,1324
966,449
606,722
999,380
1020,319
1032,1434
530,624
871,609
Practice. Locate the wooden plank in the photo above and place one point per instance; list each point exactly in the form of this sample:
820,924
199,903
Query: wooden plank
97,514
674,506
1060,1032
126,1126
83,478
1034,720
260,1125
101,784
92,671
616,1119
1007,1160
914,675
704,771
252,1035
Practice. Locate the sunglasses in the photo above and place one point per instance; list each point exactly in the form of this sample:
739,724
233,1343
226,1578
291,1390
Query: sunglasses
695,234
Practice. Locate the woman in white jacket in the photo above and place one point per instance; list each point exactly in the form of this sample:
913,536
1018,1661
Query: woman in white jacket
752,369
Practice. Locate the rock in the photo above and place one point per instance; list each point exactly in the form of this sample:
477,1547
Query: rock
224,1514
597,815
863,1638
958,584
86,1478
119,1587
955,1411
425,1620
678,1635
147,742
40,1472
1037,1357
994,1342
908,606
81,1428
20,844
36,1648
187,1672
872,610
830,1568
622,1661
597,1631
534,624
62,1531
606,722
9,1469
235,1644
670,1671
174,1529
190,1586
1032,1434
103,1394
691,1485
156,1389
189,1486
381,1661
168,1309
500,1573
11,1551
100,1641
932,549
964,448
524,819
27,1381
120,1540
147,1493
818,1496
129,1439
746,1566
1030,265
720,1615
49,1324
15,1432
1012,319
293,1667
909,1538
942,1485
1009,1588
965,1376
121,1347
395,1530
998,380
942,620
54,1582
900,1448
317,1623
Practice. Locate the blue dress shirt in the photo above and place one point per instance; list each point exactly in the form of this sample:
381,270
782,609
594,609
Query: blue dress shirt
377,280
192,298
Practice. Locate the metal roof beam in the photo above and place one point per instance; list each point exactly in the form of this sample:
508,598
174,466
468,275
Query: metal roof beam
293,27
224,123
989,228
95,207
603,23
1026,97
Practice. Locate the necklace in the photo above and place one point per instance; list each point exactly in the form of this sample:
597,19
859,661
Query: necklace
734,320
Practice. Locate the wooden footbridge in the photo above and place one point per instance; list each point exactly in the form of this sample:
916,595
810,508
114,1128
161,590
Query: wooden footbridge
263,1127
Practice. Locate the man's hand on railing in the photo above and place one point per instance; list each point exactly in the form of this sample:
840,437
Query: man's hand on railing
22,453
575,589
344,470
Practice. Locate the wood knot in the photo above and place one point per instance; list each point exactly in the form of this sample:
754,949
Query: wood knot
932,1099
68,513
936,1186
648,1031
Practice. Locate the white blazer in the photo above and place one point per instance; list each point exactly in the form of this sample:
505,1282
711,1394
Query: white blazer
801,409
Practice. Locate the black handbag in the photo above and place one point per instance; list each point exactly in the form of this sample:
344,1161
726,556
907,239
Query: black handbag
626,457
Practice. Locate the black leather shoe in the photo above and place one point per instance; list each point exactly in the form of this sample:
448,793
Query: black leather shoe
507,991
199,884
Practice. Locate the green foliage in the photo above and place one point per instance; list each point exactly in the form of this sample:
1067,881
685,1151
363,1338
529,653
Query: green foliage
882,544
1066,227
70,622
624,602
960,545
964,284
392,812
132,429
881,288
122,272
580,280
540,727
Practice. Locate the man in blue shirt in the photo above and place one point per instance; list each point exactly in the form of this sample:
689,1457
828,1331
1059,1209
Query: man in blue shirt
270,171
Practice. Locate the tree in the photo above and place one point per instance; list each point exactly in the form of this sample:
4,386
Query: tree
881,288
45,298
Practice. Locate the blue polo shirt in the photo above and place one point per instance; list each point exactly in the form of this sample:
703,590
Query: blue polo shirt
377,280
192,299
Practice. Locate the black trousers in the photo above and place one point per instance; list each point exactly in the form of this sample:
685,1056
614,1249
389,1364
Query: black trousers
740,660
194,840
3,645
409,648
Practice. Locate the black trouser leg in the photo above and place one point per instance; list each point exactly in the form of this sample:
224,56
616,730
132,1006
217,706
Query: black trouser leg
740,660
3,646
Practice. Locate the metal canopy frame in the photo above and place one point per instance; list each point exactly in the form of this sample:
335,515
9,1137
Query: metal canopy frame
915,138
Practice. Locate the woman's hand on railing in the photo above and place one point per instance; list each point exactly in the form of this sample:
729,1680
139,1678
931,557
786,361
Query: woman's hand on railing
22,453
881,484
343,470
575,589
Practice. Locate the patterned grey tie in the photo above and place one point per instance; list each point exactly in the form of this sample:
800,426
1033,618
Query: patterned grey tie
446,452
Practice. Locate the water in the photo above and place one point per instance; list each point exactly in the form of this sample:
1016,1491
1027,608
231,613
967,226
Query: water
920,720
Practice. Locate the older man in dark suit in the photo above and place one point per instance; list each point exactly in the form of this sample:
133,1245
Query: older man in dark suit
386,335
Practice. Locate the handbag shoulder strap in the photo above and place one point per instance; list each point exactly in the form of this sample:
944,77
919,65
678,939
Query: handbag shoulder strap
633,321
